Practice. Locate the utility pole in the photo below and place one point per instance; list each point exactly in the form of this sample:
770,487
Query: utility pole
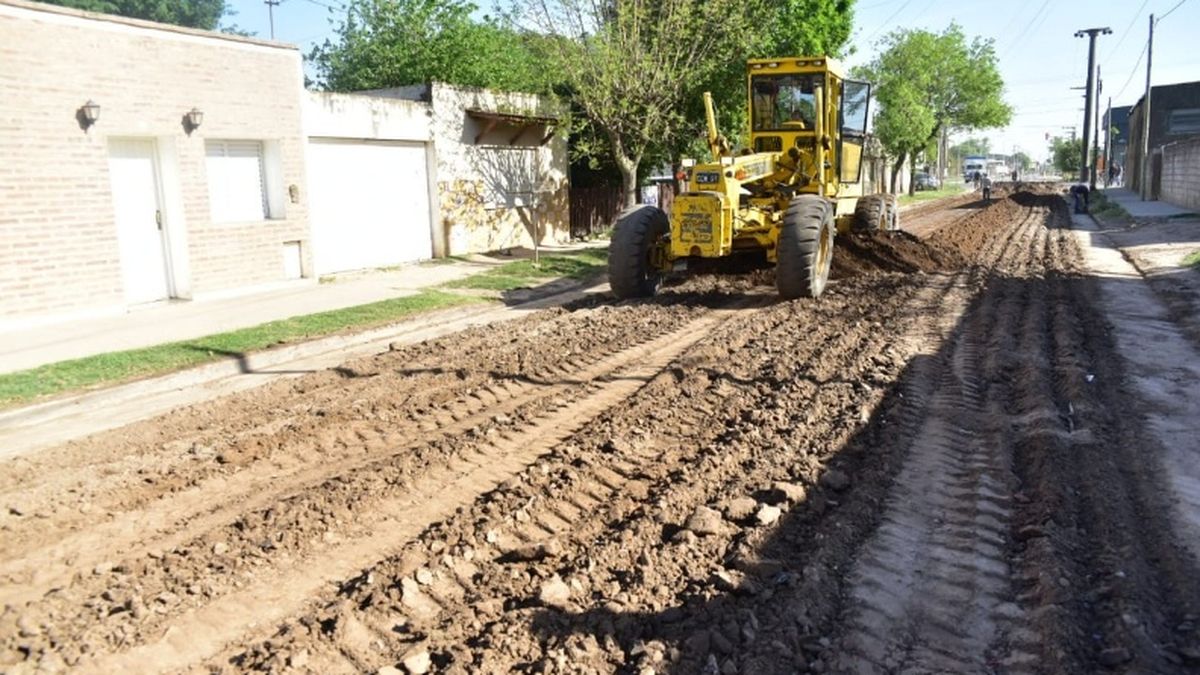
1096,133
1091,34
1108,141
1145,149
271,14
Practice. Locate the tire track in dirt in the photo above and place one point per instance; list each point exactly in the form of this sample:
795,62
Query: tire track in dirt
439,492
1104,576
689,471
931,590
170,523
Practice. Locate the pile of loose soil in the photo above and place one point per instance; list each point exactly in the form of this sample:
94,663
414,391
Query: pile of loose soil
860,253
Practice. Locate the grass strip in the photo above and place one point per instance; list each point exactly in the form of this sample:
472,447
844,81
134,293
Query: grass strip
1192,259
115,367
948,190
526,273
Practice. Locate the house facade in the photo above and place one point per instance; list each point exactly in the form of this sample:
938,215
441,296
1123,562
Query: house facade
112,195
145,162
501,167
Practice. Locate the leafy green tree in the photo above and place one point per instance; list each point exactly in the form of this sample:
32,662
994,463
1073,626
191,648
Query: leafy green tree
1064,154
387,43
1022,160
205,14
631,65
954,82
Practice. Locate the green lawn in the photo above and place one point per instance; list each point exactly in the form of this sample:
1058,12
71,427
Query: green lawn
948,190
1100,206
526,274
1192,259
106,369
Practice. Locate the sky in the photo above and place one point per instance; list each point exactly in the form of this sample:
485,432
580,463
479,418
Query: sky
1040,59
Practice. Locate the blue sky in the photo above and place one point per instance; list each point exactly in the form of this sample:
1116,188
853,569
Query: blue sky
1040,58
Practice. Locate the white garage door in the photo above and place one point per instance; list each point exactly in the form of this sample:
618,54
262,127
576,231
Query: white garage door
370,204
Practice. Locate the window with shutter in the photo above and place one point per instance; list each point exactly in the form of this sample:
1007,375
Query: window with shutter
236,189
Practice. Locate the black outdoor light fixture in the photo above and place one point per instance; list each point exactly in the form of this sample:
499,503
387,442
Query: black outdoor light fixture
192,119
89,113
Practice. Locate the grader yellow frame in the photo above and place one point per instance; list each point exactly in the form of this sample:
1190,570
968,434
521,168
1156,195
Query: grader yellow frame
798,182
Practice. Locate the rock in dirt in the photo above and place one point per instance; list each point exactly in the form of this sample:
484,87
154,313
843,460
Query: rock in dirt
792,493
555,592
705,521
27,627
416,661
740,508
532,552
389,670
1114,656
835,480
767,515
220,548
684,537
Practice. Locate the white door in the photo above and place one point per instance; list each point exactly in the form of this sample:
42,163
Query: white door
139,219
369,204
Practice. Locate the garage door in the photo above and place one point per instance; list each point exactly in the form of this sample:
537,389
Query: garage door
369,204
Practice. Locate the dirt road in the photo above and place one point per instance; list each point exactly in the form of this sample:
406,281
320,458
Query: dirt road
936,467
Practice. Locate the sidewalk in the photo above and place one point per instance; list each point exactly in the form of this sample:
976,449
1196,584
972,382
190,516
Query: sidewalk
184,320
1133,204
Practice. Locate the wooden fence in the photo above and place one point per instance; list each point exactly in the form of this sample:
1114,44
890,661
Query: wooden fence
593,209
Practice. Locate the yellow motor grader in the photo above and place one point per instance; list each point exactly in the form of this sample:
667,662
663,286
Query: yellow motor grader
786,195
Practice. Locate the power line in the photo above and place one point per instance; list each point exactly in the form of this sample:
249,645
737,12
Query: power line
339,7
1125,33
1133,71
1025,30
1169,11
1144,47
888,21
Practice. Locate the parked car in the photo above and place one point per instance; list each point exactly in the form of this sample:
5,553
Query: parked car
925,181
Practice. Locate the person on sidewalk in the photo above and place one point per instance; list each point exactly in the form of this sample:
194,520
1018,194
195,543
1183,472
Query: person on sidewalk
1079,198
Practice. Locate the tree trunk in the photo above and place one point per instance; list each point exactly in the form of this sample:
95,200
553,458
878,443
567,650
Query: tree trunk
896,172
912,172
628,166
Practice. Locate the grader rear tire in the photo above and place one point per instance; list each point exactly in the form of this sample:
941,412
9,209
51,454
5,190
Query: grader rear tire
870,214
630,272
805,248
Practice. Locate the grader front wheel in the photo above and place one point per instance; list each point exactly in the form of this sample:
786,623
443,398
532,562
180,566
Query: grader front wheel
805,248
632,270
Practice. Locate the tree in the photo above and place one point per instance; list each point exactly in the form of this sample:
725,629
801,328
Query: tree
631,64
1022,161
1064,154
388,43
205,14
943,77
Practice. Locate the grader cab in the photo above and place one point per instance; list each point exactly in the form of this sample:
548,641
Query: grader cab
786,196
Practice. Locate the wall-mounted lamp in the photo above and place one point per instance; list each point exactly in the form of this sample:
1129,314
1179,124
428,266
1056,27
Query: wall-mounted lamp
192,120
88,114
194,117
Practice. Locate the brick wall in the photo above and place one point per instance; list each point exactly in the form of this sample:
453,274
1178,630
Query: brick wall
58,249
1181,173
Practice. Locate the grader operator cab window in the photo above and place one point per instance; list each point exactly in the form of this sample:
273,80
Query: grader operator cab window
784,102
856,99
